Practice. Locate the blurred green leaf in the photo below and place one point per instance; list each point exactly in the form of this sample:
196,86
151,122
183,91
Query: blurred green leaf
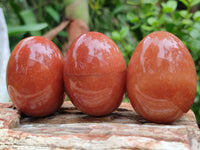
126,100
196,16
133,2
119,9
186,21
198,89
194,2
147,28
135,26
152,21
62,33
150,1
183,13
132,17
195,44
122,18
194,33
16,8
26,28
185,2
68,2
29,19
169,6
129,48
150,10
115,36
196,25
123,32
53,13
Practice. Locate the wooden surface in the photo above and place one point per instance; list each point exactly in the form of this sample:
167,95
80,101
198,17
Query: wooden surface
70,129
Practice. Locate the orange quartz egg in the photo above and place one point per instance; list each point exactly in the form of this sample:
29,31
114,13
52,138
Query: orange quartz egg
161,78
35,77
95,74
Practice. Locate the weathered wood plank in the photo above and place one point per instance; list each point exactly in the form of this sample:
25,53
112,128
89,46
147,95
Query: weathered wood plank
70,129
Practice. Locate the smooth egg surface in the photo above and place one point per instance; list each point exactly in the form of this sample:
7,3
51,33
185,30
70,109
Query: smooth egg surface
95,74
35,77
161,78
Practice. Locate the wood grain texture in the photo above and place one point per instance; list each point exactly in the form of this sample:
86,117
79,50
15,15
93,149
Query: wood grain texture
70,129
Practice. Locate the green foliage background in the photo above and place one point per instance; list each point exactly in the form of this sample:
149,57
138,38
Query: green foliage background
125,21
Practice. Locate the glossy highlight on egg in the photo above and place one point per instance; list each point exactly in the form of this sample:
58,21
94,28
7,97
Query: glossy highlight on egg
95,74
161,78
35,77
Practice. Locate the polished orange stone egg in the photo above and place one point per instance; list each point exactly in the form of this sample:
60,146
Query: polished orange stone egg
161,78
95,74
35,77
